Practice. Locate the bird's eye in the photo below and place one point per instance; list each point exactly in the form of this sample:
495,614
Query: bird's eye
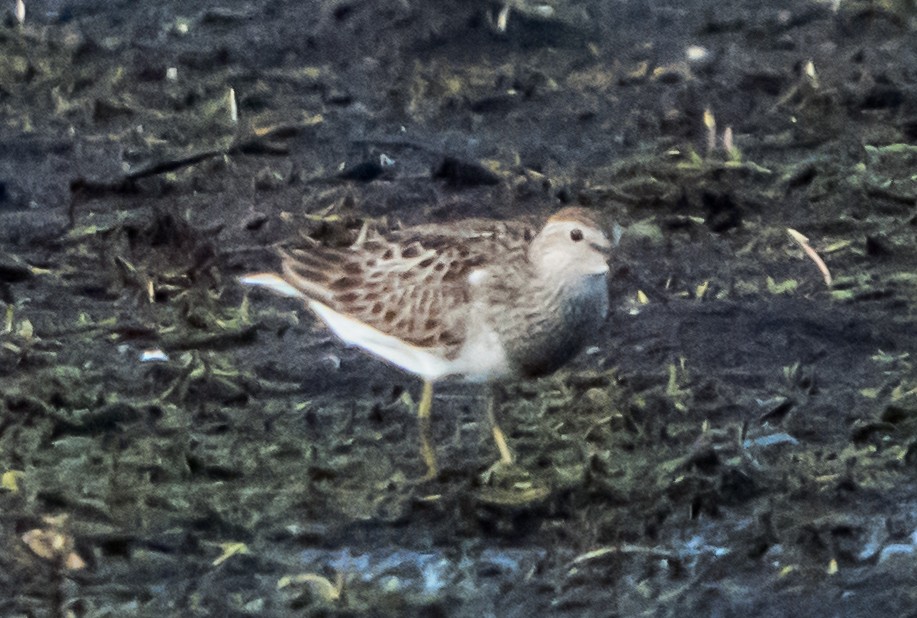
576,234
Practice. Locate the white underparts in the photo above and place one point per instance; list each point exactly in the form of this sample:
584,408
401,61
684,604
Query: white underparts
482,357
401,354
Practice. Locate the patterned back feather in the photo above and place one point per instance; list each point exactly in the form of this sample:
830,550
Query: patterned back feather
409,283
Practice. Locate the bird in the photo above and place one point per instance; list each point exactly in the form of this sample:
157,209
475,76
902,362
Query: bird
482,300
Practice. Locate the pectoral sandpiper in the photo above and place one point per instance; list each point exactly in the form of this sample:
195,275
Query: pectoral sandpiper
481,300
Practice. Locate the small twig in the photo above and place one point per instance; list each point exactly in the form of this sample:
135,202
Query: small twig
624,549
803,242
710,124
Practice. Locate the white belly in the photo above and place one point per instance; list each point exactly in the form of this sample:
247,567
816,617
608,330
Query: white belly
482,357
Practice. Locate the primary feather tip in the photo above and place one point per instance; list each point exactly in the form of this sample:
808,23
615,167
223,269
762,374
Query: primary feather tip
272,282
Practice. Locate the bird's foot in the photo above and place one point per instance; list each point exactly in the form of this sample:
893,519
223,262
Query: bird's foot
507,483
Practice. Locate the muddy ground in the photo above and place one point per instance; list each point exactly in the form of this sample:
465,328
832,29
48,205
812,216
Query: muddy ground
740,440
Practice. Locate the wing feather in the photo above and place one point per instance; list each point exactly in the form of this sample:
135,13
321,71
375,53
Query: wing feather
410,284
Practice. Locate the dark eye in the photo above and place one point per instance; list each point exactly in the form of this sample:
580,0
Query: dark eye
576,234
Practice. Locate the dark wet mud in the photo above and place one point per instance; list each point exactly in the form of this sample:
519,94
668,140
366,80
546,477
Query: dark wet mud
741,439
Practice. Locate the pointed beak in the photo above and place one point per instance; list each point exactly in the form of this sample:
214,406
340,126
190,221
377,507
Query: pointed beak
601,257
604,250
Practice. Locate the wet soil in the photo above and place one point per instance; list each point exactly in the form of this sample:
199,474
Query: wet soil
741,439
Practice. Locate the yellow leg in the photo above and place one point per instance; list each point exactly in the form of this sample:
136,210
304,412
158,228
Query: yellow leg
506,455
423,415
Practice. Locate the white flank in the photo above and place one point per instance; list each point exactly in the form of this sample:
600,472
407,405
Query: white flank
394,350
